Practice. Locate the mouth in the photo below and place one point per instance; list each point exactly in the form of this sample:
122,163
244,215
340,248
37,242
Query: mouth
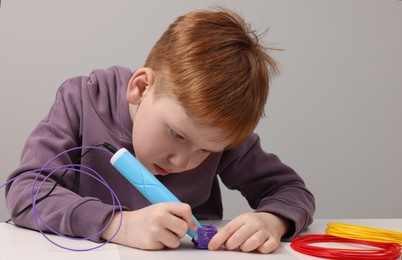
160,170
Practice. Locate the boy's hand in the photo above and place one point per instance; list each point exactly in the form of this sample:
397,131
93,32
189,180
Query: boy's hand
154,227
256,231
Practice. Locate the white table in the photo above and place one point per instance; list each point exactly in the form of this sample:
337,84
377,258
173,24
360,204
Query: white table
18,243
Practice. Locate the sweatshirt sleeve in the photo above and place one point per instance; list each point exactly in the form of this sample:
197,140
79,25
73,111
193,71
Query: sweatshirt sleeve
268,184
64,210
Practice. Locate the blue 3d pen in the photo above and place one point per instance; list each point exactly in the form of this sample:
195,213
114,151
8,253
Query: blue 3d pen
144,181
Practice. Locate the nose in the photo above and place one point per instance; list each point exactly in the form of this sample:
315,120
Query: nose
179,160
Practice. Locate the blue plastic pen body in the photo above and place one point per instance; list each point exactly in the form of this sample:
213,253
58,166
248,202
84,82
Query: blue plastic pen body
144,181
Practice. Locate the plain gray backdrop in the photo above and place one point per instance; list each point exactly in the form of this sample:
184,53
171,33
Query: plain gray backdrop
334,114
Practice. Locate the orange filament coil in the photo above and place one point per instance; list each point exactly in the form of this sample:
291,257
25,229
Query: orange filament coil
363,233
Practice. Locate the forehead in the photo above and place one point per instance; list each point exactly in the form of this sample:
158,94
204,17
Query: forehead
174,116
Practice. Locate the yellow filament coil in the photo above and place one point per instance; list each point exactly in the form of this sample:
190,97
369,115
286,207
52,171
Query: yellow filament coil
363,233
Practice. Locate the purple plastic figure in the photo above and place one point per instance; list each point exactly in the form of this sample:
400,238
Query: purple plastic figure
204,235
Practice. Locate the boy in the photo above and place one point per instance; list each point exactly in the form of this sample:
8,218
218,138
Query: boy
188,115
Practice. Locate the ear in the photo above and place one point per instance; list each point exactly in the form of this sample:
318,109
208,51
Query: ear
138,85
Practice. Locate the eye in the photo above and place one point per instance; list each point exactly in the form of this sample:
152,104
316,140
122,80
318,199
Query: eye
175,135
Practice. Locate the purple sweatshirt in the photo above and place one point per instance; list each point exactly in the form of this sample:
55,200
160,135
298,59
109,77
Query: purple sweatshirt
92,110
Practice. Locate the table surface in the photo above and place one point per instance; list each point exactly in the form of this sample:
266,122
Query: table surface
20,243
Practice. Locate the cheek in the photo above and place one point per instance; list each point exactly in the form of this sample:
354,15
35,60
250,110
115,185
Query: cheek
142,136
143,141
149,141
196,160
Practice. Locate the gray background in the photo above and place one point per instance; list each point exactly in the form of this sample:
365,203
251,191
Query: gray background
334,114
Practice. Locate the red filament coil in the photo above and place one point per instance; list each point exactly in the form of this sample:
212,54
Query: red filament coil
385,251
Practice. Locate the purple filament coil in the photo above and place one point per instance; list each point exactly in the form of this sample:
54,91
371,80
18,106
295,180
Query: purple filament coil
204,235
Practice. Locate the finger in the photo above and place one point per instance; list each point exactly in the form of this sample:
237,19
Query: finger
179,218
169,239
223,235
184,211
181,210
269,246
253,242
157,237
239,237
176,225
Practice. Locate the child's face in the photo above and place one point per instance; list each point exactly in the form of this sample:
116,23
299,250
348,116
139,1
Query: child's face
166,140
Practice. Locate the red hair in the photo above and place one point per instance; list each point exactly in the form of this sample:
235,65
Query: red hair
215,66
